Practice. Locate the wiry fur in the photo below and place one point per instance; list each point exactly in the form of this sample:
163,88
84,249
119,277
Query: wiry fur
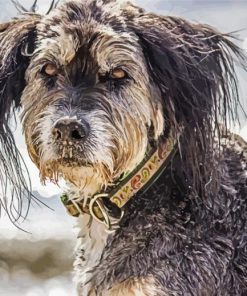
186,234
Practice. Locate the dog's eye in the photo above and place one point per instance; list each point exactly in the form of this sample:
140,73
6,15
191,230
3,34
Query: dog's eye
114,75
118,74
50,69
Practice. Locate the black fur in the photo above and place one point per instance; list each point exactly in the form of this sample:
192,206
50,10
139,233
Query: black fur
16,43
198,84
189,230
190,245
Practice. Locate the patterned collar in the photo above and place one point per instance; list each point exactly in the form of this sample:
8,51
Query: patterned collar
103,204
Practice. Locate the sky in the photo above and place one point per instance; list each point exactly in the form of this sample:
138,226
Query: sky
226,15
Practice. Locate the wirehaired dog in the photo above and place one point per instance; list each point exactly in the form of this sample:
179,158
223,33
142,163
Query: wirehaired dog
129,108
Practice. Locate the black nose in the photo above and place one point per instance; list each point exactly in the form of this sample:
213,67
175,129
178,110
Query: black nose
70,130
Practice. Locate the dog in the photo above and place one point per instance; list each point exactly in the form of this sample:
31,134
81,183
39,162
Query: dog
132,109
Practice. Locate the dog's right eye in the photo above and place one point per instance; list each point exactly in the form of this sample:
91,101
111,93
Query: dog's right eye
50,69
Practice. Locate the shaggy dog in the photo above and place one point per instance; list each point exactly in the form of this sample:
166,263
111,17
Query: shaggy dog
130,109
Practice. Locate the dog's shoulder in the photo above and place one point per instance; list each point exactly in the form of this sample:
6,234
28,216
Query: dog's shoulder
236,143
235,149
234,166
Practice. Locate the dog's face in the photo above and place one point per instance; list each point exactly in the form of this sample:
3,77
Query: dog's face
89,103
99,80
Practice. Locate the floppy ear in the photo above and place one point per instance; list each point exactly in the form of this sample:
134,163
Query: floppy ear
17,41
193,65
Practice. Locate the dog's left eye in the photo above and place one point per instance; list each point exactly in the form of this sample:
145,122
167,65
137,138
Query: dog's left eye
50,70
114,75
118,74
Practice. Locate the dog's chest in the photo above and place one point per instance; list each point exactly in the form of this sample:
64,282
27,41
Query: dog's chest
92,239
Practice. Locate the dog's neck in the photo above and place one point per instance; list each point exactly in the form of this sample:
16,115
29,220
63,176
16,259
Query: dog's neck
108,205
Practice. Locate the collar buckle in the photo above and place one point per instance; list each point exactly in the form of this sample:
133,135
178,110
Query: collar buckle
101,214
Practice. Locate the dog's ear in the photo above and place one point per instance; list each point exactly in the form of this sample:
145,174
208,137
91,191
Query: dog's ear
194,67
17,42
191,63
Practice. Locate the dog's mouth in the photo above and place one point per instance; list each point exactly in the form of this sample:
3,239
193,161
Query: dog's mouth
60,160
69,154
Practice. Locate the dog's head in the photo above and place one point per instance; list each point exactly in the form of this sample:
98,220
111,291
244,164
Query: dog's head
98,80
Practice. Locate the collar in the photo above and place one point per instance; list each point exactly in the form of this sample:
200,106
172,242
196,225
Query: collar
107,206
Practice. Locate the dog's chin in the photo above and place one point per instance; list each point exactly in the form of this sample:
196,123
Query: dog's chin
78,171
63,167
72,172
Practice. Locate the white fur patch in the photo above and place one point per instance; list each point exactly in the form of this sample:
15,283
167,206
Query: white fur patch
91,243
92,235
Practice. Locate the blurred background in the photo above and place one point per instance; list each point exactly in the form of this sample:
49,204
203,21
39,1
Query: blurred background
38,261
